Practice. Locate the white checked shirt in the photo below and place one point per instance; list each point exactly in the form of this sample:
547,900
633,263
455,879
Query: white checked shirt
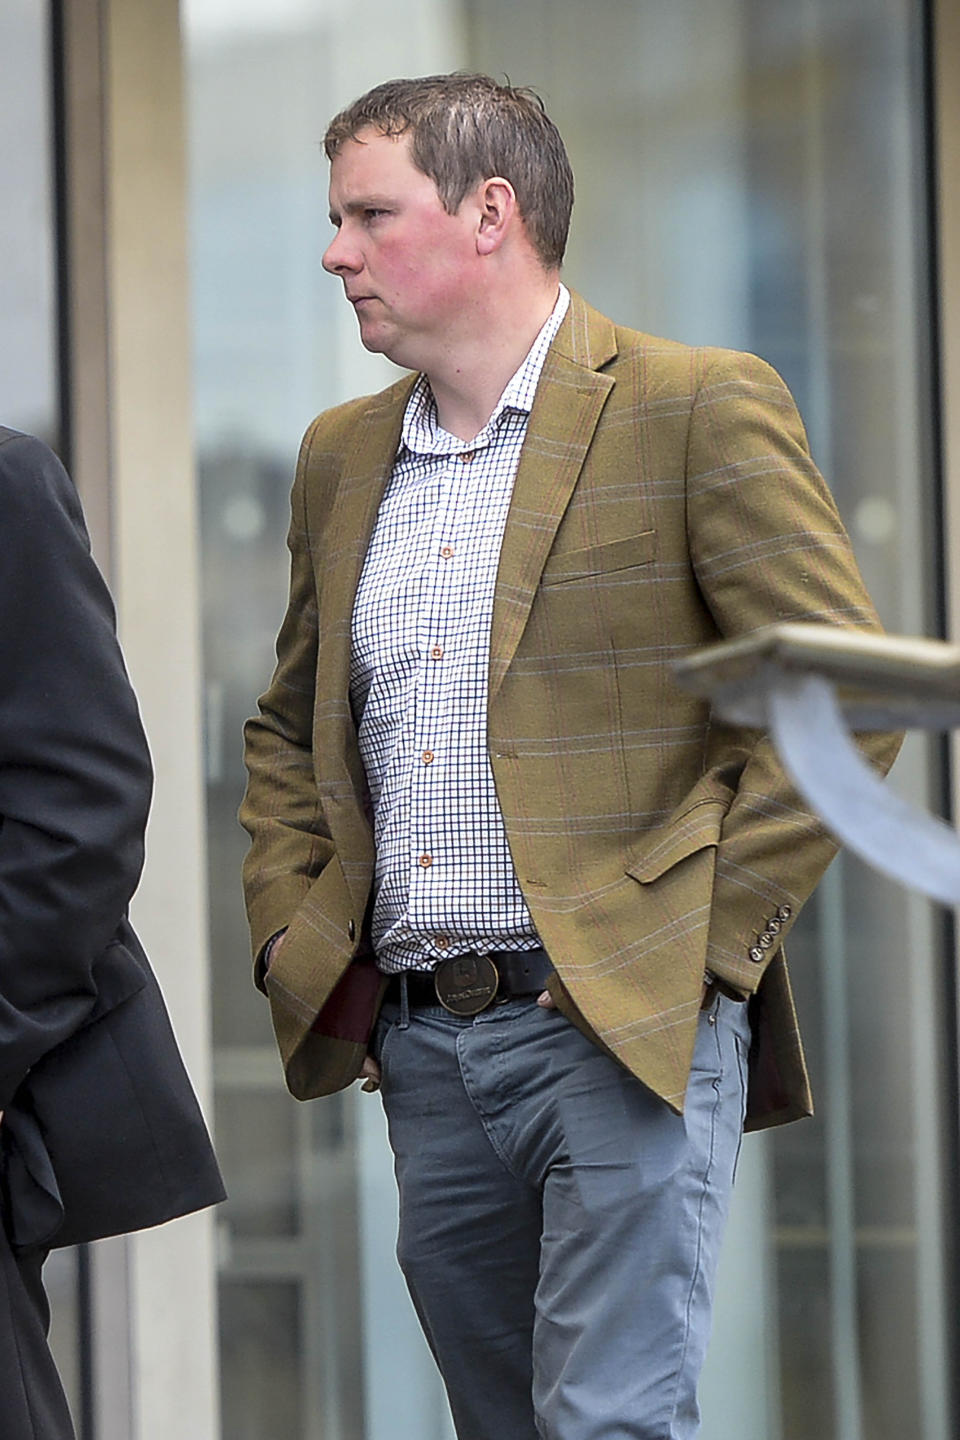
445,882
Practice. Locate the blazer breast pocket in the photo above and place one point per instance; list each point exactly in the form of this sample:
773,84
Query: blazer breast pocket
597,562
597,599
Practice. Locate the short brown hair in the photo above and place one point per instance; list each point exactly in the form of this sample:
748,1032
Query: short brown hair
465,129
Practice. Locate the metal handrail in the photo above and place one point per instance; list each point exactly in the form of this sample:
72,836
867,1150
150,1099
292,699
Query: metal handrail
809,685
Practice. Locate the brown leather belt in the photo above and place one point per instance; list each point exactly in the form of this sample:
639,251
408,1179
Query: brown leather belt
467,984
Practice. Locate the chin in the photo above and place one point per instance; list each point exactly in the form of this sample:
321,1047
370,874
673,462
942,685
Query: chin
374,340
395,353
398,348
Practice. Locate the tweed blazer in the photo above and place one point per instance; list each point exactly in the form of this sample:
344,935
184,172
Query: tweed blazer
665,498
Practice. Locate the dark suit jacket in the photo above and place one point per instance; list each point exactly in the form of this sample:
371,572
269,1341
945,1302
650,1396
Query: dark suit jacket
101,1129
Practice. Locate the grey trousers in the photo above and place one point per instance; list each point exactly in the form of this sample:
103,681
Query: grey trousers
559,1225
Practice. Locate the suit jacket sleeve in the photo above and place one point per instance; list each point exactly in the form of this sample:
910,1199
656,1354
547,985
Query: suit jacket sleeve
75,777
767,545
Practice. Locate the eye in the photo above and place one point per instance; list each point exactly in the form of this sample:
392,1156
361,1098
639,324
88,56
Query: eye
372,213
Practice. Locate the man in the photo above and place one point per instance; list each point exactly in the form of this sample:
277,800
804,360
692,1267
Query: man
478,800
100,1130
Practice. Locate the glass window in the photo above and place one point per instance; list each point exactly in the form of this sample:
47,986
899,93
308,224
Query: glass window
749,173
28,368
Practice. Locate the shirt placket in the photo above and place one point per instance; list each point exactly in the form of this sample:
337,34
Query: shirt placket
429,860
397,697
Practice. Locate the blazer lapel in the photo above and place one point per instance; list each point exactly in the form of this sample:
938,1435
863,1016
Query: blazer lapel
366,469
569,402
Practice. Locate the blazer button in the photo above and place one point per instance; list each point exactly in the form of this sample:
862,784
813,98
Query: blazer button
774,925
756,954
351,930
764,941
784,912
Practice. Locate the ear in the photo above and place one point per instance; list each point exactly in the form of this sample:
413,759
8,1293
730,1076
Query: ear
497,204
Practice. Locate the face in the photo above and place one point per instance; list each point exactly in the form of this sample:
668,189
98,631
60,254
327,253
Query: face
407,266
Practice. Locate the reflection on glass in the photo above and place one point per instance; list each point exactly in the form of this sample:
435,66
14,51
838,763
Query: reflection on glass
748,174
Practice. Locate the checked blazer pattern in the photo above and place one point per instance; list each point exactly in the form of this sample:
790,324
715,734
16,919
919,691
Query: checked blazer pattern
665,498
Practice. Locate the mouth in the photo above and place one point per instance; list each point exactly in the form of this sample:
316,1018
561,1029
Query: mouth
358,300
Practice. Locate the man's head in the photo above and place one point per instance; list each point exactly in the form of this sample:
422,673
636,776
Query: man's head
464,129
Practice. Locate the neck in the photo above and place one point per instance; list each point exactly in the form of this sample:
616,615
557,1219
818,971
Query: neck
468,380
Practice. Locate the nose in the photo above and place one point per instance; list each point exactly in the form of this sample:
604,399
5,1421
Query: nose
340,256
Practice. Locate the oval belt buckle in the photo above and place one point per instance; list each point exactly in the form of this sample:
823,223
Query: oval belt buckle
466,984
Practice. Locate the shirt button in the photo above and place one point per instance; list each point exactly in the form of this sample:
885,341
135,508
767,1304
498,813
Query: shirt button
442,942
467,456
426,861
427,757
447,552
437,652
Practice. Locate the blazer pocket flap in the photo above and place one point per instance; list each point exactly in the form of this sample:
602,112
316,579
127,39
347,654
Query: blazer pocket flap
600,559
696,830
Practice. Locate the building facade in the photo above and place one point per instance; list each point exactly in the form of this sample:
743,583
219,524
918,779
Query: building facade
781,176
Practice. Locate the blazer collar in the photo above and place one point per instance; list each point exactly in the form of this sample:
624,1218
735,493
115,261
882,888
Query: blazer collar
586,337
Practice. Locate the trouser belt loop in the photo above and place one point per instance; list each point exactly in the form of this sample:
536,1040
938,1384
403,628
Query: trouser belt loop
404,1021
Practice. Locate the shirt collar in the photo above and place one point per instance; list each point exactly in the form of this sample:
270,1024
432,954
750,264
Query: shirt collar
423,434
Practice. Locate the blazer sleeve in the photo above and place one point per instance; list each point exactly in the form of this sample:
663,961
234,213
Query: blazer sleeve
75,775
282,810
767,545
